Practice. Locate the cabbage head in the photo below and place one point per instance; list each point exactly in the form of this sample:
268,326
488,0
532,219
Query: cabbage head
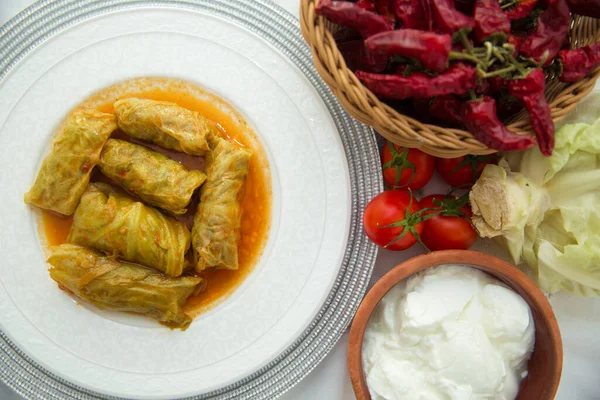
546,210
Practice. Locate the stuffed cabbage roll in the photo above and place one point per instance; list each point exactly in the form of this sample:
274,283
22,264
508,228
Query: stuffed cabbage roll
165,124
216,229
154,177
113,222
121,286
65,172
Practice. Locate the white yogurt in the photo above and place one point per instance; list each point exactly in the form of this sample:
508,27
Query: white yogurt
450,332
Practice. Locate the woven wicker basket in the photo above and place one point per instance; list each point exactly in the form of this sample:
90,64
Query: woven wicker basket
404,130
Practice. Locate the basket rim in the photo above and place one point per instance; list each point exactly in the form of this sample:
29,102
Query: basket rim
407,130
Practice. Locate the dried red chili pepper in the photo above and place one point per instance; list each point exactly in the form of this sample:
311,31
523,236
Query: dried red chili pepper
521,10
352,47
428,14
507,106
460,45
397,68
516,41
385,7
412,15
489,20
497,83
447,108
524,26
431,49
419,109
366,5
587,8
446,18
459,79
550,33
483,87
346,35
465,6
351,15
480,118
577,63
357,57
530,92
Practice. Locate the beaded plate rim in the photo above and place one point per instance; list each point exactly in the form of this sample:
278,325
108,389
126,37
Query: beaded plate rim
44,19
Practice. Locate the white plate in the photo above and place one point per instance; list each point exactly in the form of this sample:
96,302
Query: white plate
312,205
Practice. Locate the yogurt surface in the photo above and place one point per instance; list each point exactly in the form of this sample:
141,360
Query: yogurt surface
449,332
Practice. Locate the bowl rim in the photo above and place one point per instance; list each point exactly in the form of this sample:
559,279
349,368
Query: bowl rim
478,260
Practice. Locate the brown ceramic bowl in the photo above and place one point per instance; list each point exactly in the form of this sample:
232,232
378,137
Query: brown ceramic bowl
545,365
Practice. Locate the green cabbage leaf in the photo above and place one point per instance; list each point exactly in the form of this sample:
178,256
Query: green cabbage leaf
546,210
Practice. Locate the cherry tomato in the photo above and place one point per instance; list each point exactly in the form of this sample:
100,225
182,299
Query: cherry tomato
393,207
463,170
451,228
406,168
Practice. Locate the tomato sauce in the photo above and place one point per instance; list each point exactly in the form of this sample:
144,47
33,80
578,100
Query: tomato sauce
256,203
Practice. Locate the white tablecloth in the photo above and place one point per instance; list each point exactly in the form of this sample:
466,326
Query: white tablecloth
579,318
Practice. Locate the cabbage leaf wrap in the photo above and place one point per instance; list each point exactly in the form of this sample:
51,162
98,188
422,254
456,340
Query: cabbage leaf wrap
65,172
165,124
120,286
216,229
153,177
108,220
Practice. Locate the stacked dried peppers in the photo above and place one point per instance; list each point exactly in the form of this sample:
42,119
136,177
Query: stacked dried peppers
470,67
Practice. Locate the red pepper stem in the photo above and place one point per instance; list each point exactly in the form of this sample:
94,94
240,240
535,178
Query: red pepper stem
462,36
465,41
498,37
522,70
457,55
500,71
544,58
481,74
489,49
532,62
498,54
